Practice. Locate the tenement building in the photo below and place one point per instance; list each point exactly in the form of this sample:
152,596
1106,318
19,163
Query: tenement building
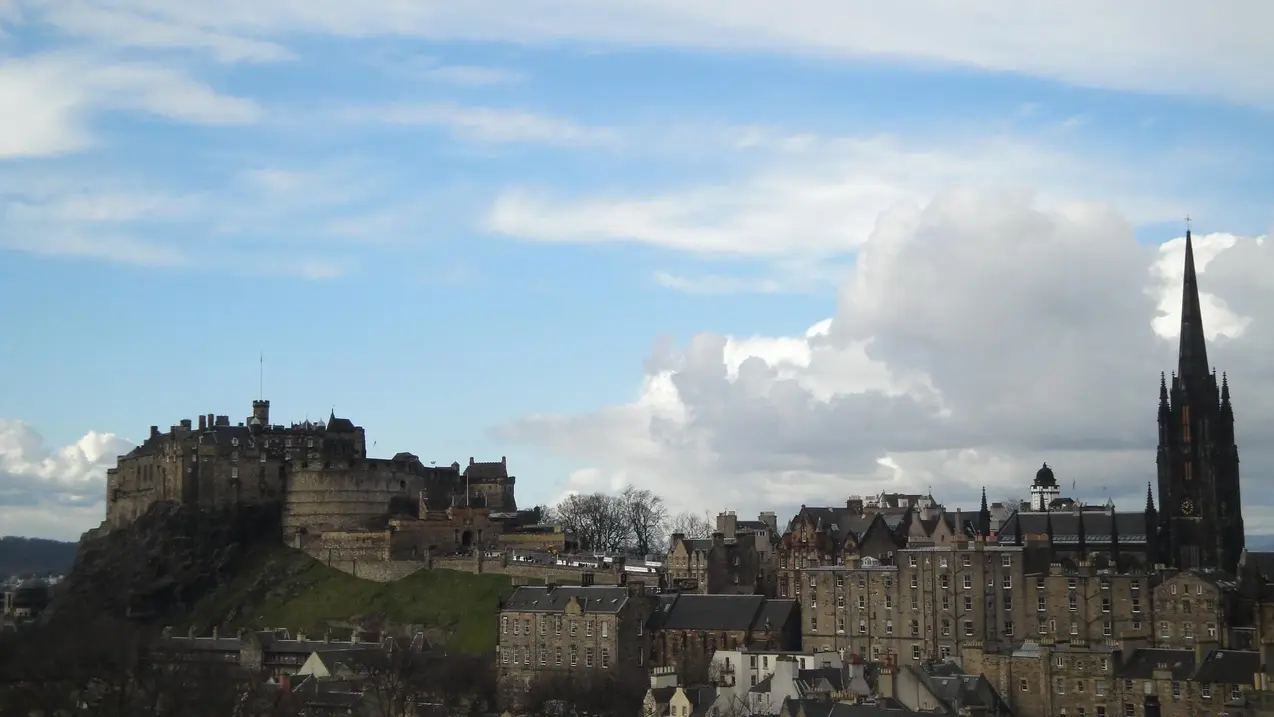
1068,609
575,632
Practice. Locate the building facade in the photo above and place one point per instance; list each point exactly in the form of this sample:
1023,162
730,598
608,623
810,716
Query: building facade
589,632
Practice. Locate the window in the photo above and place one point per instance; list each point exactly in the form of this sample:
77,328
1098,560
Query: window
840,602
1059,662
1105,664
889,627
1072,602
1071,583
1008,627
605,628
942,562
889,602
889,582
588,657
1105,603
862,627
965,561
1079,686
1099,688
1172,589
1165,630
1235,692
504,656
544,655
968,628
542,625
915,628
557,624
234,473
1043,628
1136,604
1205,691
968,582
862,602
1185,606
1024,685
813,623
945,582
840,581
517,627
1176,690
1107,629
968,603
915,652
605,657
1074,628
572,630
915,602
1008,602
1129,710
946,627
1060,686
911,561
588,627
1039,582
504,625
915,582
946,602
1006,560
1211,629
1041,604
574,655
1101,710
557,656
944,652
1007,582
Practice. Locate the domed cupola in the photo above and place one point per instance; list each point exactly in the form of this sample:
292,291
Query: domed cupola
1044,478
1044,490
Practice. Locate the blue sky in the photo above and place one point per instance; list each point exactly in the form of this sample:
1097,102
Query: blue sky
447,222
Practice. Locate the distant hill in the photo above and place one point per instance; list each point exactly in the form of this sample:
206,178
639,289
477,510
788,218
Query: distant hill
25,556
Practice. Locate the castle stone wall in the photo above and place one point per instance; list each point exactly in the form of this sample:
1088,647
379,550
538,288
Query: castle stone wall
321,500
379,571
525,572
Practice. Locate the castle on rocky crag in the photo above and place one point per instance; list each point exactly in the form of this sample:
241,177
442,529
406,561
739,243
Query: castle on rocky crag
331,494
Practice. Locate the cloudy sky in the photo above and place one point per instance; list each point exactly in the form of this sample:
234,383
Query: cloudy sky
748,254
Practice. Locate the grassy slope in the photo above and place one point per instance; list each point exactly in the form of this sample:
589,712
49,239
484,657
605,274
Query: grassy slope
284,588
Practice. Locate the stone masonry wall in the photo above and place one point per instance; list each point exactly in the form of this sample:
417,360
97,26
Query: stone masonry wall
322,500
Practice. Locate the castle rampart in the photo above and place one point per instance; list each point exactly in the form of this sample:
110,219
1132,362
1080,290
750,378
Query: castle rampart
319,500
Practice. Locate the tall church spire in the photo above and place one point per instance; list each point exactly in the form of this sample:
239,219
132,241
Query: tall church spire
1193,355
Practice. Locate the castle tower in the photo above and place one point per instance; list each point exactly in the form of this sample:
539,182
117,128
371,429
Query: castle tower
260,413
1044,490
1200,517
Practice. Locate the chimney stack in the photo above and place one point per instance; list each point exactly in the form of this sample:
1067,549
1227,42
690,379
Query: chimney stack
203,422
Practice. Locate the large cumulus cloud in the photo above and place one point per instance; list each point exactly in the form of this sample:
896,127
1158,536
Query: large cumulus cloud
53,492
976,337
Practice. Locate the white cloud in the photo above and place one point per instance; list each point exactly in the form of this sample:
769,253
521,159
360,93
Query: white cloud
485,124
1141,45
53,492
823,196
977,336
125,28
49,99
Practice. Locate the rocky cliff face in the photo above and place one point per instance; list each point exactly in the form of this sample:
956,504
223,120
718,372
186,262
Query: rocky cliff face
159,566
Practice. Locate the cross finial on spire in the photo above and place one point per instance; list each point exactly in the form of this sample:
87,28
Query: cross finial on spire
1187,223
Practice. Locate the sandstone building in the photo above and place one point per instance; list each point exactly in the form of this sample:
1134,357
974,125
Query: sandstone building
1069,609
591,632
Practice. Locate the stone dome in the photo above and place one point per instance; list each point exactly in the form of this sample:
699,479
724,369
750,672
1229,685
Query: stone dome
1044,478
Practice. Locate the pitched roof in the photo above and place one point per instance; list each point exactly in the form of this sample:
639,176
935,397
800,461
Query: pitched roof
592,599
723,612
1143,663
1228,666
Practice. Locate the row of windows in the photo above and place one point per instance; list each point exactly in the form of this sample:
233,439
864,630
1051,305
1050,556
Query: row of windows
523,656
523,626
1099,690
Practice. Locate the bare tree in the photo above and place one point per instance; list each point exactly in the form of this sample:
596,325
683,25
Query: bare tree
597,520
691,524
646,515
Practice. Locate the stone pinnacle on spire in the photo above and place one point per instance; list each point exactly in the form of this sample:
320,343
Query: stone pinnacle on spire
1163,390
1225,392
1192,358
1150,498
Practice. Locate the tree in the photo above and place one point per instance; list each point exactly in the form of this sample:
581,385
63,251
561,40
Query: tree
691,524
598,521
646,515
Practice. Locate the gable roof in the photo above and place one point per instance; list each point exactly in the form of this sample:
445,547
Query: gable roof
592,599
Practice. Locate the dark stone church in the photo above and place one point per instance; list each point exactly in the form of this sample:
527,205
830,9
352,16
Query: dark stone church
1198,522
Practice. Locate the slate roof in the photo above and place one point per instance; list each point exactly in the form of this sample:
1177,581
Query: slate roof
1229,666
824,708
592,599
722,612
1098,527
1143,662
